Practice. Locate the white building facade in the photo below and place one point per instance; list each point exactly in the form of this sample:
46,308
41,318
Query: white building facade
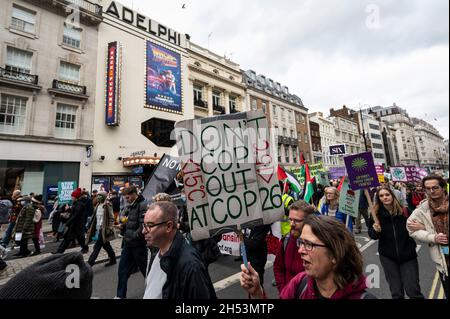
48,58
142,81
327,138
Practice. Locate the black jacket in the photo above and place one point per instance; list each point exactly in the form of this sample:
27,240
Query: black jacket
394,241
133,236
187,277
75,223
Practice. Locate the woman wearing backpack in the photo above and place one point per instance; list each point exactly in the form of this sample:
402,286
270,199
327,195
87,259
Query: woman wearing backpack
396,249
332,261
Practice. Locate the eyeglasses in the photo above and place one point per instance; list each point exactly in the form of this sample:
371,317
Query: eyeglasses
150,225
432,189
308,245
295,221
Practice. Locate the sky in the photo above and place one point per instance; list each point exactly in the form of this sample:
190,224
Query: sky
330,53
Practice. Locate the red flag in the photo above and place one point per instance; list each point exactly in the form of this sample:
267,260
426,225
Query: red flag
302,159
281,174
340,183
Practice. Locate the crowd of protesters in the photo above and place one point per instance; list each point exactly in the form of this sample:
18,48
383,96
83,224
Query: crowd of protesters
316,258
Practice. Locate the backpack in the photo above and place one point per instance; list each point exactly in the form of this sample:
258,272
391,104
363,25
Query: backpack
5,211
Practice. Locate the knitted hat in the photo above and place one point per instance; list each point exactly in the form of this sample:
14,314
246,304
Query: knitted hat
77,193
46,279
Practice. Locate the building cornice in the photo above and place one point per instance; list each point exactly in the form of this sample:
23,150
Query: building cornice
45,140
215,76
276,98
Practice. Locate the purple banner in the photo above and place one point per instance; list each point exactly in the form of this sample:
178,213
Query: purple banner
337,172
379,169
361,171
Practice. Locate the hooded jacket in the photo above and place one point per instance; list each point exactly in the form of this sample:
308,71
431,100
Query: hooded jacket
355,290
422,215
288,262
393,240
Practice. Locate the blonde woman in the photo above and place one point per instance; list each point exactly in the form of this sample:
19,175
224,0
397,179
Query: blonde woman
330,207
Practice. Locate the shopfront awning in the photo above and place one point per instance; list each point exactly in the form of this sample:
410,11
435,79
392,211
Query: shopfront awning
139,161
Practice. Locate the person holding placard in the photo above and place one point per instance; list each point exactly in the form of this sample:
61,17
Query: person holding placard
396,249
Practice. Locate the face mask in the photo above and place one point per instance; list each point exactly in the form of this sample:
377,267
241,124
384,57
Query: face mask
23,203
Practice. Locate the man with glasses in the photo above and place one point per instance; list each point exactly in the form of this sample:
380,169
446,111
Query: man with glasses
429,224
287,261
177,271
134,251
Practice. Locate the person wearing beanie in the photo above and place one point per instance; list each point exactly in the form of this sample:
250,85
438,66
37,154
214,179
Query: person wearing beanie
55,277
24,229
75,224
102,227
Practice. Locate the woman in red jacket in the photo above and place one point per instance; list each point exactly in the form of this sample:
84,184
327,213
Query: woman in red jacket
332,261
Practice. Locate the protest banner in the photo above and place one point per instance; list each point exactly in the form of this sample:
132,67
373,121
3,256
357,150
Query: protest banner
381,178
349,199
315,169
361,171
337,172
229,245
408,173
162,177
230,173
322,179
65,190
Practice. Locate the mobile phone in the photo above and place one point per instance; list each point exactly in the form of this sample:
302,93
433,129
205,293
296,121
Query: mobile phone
244,254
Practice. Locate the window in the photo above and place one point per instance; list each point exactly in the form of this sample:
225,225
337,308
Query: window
350,136
378,155
72,36
306,137
12,114
375,136
198,93
254,105
290,116
216,98
294,154
65,124
284,132
299,136
282,113
286,153
264,107
374,127
279,153
69,72
232,103
23,19
378,146
297,117
18,60
292,133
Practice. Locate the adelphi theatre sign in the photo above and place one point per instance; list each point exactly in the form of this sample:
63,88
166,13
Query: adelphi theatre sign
146,24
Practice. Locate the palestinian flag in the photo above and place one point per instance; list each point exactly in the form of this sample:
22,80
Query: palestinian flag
302,159
281,174
295,184
341,183
309,188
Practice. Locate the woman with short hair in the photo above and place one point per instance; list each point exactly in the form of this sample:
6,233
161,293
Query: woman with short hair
397,250
332,261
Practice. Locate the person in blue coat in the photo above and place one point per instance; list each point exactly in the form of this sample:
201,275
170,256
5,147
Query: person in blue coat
330,207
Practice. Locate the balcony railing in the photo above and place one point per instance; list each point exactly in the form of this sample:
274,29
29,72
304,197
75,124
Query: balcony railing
18,76
201,103
219,108
86,5
69,87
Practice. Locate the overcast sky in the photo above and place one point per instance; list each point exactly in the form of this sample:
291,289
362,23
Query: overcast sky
329,52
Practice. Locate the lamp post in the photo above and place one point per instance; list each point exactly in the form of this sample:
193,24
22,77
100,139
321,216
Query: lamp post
363,131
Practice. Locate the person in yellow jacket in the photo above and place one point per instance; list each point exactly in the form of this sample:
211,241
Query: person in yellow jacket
285,223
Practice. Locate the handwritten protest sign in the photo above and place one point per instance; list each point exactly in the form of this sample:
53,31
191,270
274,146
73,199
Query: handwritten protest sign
65,190
361,171
230,173
349,199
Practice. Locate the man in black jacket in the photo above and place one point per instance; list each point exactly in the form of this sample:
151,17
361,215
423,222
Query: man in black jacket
256,247
177,271
134,251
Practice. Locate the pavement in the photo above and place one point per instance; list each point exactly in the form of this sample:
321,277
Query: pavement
15,265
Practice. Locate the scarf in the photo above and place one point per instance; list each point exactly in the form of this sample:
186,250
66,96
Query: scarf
439,209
